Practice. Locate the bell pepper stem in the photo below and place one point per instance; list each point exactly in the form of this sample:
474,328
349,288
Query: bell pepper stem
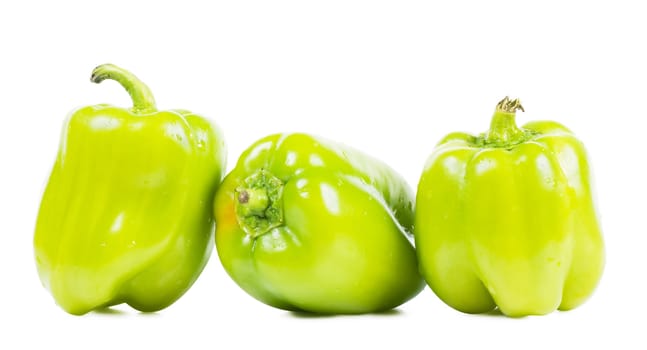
143,100
503,128
253,201
258,203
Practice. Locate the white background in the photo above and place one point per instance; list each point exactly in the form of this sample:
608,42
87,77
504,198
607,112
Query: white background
388,77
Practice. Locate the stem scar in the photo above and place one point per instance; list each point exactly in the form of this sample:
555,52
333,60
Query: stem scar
243,197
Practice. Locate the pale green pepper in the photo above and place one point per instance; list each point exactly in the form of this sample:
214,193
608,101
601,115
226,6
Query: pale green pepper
126,214
304,223
506,219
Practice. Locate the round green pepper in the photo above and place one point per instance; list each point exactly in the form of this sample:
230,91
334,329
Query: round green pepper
307,224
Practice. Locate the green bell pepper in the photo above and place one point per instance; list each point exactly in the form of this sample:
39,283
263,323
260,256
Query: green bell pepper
126,213
307,224
507,219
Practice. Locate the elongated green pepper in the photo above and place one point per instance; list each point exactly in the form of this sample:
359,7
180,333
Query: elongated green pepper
307,224
126,214
507,219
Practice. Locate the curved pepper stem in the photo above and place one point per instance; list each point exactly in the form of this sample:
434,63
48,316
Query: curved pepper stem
143,100
258,203
503,128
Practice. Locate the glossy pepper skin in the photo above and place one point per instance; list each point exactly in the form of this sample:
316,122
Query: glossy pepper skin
307,224
126,213
507,219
